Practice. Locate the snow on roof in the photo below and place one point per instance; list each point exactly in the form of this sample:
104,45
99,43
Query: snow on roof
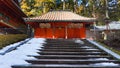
112,26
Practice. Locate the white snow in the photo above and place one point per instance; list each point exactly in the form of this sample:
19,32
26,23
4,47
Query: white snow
112,25
79,41
105,64
86,47
98,59
19,55
91,49
11,45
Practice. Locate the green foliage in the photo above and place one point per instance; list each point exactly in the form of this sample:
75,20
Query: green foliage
37,7
95,8
11,38
115,13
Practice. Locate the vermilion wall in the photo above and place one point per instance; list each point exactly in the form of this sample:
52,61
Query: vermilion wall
43,33
11,15
59,30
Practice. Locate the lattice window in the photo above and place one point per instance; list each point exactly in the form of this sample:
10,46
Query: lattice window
75,25
44,25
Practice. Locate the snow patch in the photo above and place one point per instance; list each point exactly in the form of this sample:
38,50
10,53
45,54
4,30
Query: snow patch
86,47
79,41
19,55
4,49
105,64
98,59
91,49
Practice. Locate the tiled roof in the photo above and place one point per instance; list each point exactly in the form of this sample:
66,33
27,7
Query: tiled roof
57,16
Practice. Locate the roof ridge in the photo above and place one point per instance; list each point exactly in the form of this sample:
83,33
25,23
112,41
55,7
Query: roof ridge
61,16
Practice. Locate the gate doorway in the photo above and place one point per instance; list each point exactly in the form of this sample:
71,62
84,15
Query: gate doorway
59,32
72,30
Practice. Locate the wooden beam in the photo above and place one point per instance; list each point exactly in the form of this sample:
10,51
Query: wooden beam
14,10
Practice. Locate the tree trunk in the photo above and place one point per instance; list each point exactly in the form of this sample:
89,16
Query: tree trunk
106,12
63,4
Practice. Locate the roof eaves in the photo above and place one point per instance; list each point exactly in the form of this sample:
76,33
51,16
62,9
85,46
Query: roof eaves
45,20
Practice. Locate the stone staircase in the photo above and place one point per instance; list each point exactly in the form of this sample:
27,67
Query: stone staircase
61,53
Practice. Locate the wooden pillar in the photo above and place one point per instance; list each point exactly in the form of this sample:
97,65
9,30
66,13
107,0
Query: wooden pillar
53,30
66,33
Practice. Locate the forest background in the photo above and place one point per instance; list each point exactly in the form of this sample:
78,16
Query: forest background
99,9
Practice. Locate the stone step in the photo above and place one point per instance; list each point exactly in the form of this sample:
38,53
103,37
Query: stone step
69,61
68,57
62,45
72,53
62,53
71,50
49,47
62,40
63,66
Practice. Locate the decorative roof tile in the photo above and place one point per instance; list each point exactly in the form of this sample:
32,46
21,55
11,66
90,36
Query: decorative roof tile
57,16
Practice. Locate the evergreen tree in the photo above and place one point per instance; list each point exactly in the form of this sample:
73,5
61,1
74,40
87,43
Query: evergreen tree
37,7
90,8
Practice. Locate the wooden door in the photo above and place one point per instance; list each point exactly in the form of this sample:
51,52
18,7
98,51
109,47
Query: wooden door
49,33
59,32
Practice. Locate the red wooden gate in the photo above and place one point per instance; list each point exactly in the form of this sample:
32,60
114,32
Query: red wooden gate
59,32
